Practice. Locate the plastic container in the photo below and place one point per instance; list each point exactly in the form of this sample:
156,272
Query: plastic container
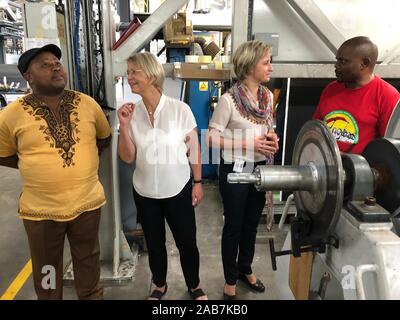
205,59
191,59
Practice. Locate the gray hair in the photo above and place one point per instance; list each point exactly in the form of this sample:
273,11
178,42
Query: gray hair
247,55
149,64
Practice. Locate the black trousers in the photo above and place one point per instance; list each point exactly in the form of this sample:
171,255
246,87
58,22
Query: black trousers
243,206
180,216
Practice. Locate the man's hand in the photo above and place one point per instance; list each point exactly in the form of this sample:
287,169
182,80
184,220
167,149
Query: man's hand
103,143
11,162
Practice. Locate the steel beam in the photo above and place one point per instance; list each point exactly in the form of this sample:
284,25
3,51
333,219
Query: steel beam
319,23
392,55
240,23
144,34
108,26
324,70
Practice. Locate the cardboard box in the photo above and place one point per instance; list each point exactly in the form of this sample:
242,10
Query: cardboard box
201,71
178,30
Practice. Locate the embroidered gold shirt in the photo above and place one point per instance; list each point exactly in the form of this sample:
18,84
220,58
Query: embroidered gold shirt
58,156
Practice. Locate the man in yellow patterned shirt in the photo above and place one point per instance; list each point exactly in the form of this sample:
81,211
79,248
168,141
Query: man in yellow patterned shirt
53,136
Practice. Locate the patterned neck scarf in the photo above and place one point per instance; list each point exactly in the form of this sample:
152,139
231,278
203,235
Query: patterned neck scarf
257,111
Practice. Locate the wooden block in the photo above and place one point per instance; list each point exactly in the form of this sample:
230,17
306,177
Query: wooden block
300,275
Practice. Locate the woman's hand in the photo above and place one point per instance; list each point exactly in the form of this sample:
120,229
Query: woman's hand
266,144
272,137
197,194
125,114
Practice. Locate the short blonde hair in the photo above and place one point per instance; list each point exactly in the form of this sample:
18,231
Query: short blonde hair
149,64
247,55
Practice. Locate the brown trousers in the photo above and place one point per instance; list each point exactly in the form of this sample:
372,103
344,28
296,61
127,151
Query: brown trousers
46,242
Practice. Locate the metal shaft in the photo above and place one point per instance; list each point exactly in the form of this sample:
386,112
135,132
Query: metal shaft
288,178
243,178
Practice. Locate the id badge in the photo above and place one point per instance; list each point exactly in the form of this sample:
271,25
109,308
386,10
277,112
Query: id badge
238,166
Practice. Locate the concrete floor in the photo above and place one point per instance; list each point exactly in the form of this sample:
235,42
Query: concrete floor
15,253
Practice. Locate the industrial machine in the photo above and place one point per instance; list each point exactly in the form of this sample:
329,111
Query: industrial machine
345,205
12,84
11,32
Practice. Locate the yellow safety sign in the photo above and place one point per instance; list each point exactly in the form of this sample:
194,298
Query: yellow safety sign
203,85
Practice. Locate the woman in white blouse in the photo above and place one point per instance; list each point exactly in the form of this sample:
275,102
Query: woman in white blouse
160,134
241,126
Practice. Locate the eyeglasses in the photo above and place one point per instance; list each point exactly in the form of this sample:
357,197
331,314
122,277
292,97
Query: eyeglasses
133,72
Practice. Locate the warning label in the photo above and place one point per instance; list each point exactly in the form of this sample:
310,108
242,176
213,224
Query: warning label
203,86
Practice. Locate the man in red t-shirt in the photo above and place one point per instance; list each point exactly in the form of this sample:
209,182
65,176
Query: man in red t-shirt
358,105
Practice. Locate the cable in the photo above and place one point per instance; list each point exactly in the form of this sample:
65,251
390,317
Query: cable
76,44
99,95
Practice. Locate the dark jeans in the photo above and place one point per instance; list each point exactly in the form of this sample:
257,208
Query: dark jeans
243,206
46,242
179,213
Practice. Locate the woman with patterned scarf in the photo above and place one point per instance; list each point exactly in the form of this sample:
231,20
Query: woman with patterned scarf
242,127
